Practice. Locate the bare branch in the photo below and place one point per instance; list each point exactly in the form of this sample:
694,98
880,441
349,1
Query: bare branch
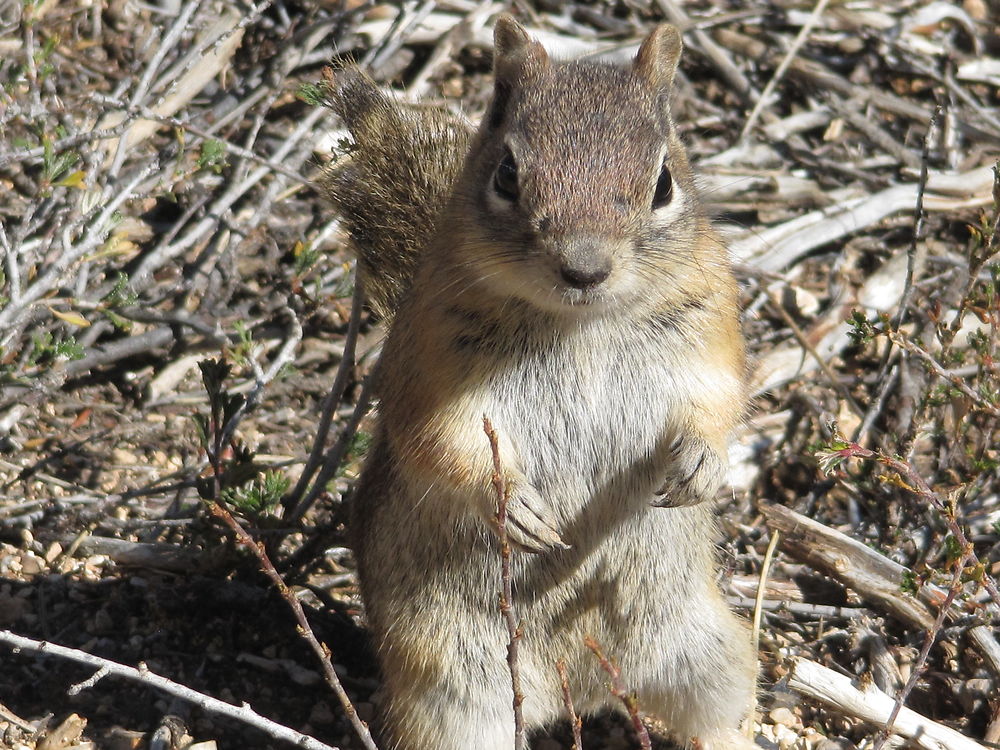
622,693
142,675
507,596
321,651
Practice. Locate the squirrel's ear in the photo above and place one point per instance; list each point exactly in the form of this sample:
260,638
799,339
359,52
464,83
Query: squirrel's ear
656,60
516,57
514,51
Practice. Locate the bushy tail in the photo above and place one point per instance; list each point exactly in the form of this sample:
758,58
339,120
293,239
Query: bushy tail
393,182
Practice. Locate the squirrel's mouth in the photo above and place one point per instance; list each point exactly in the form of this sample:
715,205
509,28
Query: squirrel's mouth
556,295
591,299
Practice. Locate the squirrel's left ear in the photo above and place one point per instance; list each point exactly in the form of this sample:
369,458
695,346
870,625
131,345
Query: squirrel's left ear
656,60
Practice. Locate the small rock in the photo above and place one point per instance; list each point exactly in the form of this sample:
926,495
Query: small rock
785,716
30,565
321,714
123,457
785,736
836,743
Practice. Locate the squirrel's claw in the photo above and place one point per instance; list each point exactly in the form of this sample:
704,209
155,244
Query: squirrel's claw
531,526
697,474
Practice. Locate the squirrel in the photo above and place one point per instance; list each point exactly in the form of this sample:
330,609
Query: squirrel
552,270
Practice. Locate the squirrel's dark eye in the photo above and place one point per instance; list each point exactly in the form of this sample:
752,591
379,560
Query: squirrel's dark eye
505,178
664,189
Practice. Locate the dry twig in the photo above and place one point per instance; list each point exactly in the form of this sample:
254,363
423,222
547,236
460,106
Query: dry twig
507,594
575,722
621,692
142,675
320,649
872,705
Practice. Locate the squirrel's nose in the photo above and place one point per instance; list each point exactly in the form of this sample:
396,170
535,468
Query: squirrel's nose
583,275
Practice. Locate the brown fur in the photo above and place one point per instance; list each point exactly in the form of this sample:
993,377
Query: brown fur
391,186
594,321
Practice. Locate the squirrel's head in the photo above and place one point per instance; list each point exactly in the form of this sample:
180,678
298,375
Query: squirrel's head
577,193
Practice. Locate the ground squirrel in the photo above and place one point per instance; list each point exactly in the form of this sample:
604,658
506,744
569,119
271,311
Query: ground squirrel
566,284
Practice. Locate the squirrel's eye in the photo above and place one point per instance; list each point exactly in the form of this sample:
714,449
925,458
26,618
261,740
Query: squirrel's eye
505,178
664,189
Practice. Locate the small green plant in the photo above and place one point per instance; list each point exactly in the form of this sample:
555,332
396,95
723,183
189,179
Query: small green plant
260,496
952,548
236,479
222,405
119,296
242,350
56,166
834,452
43,65
47,348
863,329
358,448
305,256
212,156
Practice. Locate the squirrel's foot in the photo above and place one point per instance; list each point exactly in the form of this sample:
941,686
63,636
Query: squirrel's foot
531,526
698,472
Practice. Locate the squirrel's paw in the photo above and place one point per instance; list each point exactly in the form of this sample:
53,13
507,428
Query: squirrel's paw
697,473
531,526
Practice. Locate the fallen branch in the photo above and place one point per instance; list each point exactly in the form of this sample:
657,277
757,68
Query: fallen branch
799,609
775,248
149,555
142,675
878,579
873,706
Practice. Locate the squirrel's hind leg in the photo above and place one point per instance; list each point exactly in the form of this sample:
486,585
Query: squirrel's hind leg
456,726
706,690
465,707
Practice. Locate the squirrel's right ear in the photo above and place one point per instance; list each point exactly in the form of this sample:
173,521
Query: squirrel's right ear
516,56
514,51
656,60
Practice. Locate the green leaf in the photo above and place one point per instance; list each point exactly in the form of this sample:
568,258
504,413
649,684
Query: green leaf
952,548
212,156
311,94
262,494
